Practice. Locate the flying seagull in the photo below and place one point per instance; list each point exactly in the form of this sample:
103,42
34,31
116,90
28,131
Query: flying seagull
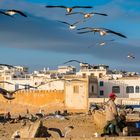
8,94
101,31
101,43
68,9
71,26
131,56
13,12
88,15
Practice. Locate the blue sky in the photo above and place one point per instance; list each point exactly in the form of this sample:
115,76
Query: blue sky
40,41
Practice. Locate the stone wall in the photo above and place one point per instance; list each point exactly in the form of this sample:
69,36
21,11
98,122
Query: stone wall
33,100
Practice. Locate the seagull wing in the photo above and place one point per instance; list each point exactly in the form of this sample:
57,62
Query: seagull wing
9,66
51,6
4,14
19,12
64,22
119,34
71,61
102,14
85,28
84,32
75,13
78,22
50,82
82,7
6,82
3,91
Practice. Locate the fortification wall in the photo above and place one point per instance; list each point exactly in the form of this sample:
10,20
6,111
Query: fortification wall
32,99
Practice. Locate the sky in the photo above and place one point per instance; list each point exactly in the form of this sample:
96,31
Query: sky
40,40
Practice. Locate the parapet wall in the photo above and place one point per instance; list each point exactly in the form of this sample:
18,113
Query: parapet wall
99,119
33,98
37,97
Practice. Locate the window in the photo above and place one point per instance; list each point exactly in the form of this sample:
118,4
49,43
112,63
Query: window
75,89
101,83
92,74
129,89
137,89
92,88
16,86
101,92
84,75
116,89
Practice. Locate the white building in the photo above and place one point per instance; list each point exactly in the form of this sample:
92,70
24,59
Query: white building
79,92
98,71
66,69
123,87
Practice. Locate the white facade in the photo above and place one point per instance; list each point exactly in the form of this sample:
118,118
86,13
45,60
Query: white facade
66,69
92,72
77,93
122,87
50,84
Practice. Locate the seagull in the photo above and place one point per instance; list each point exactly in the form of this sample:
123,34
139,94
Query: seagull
13,12
68,9
88,15
131,56
67,130
71,26
8,94
102,43
102,31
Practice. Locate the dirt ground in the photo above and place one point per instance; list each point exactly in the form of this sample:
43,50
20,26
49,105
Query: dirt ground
83,124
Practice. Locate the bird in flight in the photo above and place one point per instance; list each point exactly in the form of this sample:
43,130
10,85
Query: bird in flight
88,15
102,43
13,12
130,56
68,9
101,31
71,26
8,94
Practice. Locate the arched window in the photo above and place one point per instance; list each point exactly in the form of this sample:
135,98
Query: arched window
137,89
129,89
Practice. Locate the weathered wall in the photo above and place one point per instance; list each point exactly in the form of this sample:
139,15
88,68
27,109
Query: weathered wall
36,97
32,99
99,119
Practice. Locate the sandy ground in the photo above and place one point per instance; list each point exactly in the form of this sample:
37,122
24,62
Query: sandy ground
83,124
